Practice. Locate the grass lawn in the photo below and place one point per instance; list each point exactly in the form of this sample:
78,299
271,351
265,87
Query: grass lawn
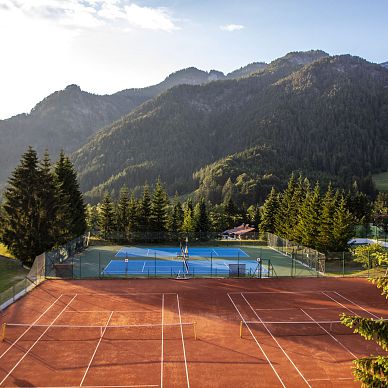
11,272
381,181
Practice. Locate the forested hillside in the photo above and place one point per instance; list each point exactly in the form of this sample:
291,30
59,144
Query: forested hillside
66,118
324,116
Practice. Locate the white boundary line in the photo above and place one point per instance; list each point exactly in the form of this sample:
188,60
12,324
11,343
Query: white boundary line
103,386
281,292
33,323
294,308
333,379
331,335
143,266
216,253
339,303
32,346
277,343
183,342
257,343
161,357
362,308
109,311
95,350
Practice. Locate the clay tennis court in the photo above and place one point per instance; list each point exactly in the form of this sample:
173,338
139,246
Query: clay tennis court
142,333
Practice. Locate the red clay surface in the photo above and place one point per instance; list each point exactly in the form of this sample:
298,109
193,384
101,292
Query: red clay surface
169,356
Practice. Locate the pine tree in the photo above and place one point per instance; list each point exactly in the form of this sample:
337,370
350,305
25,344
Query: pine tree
325,237
175,216
91,217
158,211
73,214
283,220
48,204
201,220
297,200
268,212
21,222
188,225
144,210
106,220
133,206
343,226
122,212
231,213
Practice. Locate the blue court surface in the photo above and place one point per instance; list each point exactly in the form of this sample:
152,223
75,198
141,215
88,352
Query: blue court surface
214,267
170,252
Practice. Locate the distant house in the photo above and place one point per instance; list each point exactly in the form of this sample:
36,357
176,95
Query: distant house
244,231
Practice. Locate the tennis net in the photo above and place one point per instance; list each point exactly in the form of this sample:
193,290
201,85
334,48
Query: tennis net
11,332
290,328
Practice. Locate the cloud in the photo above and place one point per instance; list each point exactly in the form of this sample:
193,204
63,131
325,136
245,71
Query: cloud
232,27
94,13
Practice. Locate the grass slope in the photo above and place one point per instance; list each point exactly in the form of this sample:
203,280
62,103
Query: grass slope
381,181
11,271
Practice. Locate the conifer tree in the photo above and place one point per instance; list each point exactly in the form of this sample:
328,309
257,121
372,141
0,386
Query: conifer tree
268,212
188,225
201,219
325,238
297,200
231,213
73,217
342,226
158,210
283,221
48,204
21,222
133,206
144,210
91,217
122,212
106,221
175,216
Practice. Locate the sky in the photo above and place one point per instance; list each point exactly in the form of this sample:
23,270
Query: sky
108,45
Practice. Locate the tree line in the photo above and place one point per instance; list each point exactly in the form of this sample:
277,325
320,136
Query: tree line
42,206
323,221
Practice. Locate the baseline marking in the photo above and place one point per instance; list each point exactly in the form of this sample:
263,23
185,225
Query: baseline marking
33,323
183,342
339,303
95,350
32,346
161,358
281,292
273,337
362,308
260,347
331,335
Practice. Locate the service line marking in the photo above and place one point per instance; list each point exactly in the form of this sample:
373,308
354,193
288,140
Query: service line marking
183,342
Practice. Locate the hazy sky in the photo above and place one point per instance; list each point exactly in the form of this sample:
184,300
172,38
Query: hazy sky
108,45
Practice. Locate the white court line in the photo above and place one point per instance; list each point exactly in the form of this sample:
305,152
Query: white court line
215,252
143,267
281,292
277,342
95,350
33,323
148,252
294,308
333,379
343,306
109,311
226,265
105,386
257,343
331,335
362,308
183,342
31,347
161,357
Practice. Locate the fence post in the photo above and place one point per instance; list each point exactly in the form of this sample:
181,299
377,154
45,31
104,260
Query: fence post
343,264
99,265
155,263
238,264
211,264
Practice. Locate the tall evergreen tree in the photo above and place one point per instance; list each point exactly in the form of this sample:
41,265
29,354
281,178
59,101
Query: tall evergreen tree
158,211
71,199
133,206
107,217
201,219
268,212
342,226
325,238
48,205
21,218
144,210
122,212
283,221
175,216
188,224
231,213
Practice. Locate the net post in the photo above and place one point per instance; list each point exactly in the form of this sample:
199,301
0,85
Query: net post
195,330
241,329
3,327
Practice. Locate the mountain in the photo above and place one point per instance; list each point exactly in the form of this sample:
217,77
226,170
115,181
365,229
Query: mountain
247,70
326,116
65,119
384,64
